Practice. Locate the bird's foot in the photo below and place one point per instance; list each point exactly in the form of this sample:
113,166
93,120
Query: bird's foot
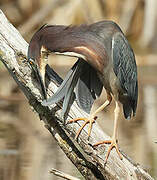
89,121
113,144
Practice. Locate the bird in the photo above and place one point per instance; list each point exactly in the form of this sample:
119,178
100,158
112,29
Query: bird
105,60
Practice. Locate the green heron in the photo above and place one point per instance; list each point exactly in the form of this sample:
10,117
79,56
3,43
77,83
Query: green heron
105,60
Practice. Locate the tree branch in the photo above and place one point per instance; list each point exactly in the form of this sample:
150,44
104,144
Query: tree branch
61,174
89,161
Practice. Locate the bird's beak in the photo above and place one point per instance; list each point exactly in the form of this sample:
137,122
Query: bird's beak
40,76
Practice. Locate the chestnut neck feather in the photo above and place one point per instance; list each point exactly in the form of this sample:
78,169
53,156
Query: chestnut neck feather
90,41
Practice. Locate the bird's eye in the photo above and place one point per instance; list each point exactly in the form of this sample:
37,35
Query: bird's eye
31,61
32,64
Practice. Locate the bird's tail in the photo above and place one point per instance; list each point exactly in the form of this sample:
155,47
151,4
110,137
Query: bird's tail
129,109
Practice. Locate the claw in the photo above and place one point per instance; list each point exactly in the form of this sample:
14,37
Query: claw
86,121
113,144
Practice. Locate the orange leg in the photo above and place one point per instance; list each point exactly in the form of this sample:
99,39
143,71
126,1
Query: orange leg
91,118
113,141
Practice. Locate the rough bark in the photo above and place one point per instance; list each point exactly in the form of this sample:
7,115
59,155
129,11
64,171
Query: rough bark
89,161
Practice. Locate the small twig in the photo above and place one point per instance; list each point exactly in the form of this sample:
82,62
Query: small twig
62,174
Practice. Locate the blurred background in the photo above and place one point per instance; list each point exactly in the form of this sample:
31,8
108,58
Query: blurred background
27,150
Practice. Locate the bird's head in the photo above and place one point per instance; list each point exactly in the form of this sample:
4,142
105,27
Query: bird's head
38,57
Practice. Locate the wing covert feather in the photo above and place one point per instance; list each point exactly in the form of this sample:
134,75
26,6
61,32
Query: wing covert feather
124,66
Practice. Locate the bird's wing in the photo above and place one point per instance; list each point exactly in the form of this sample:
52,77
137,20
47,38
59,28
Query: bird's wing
60,93
70,85
53,76
124,66
88,88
